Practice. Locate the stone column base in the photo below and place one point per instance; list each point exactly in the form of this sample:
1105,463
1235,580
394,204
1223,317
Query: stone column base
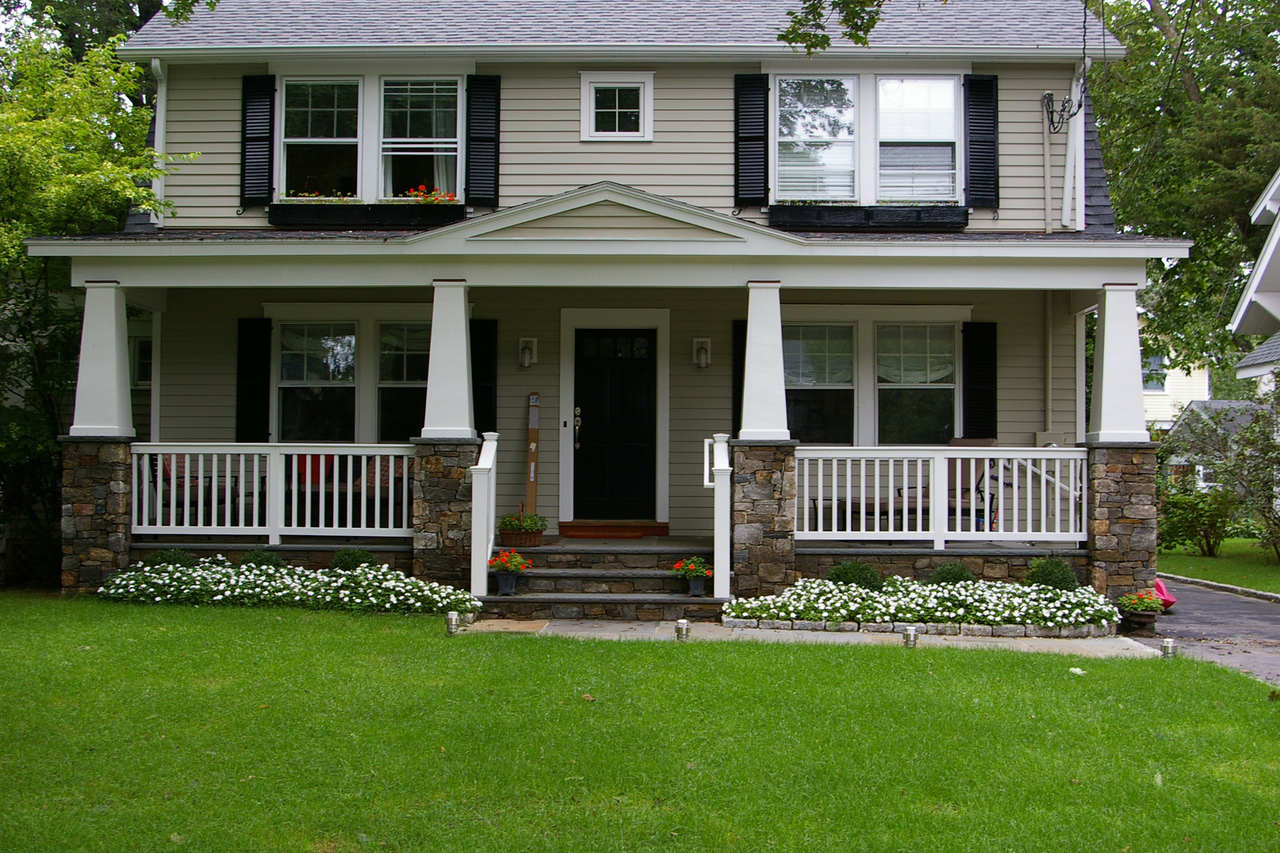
96,525
442,509
764,517
1122,517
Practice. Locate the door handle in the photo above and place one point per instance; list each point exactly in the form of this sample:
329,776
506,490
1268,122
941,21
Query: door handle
577,425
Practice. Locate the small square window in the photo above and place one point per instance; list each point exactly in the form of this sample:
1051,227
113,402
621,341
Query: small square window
617,105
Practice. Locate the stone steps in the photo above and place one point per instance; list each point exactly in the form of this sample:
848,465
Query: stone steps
631,607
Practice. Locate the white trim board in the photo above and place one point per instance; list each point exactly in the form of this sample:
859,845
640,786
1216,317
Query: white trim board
572,319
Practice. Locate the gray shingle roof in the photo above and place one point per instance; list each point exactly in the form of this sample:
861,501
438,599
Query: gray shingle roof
959,26
1098,215
1268,352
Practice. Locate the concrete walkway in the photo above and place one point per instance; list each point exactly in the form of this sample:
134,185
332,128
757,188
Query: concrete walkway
1100,647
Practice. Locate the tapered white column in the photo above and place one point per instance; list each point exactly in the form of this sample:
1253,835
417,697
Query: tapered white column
103,406
1117,414
764,393
448,412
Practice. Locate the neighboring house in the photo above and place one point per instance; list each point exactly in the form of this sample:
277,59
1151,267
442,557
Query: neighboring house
1258,311
1165,392
869,269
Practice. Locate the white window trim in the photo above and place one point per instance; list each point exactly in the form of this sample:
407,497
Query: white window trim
864,319
377,119
361,130
367,317
590,79
957,132
867,134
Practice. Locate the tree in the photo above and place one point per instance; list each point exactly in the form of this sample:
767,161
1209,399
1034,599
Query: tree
85,24
73,159
1187,122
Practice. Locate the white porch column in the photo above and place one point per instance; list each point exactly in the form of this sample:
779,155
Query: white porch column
103,406
764,395
1117,414
448,413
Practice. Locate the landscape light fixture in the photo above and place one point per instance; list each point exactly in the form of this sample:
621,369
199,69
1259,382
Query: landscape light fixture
451,622
909,636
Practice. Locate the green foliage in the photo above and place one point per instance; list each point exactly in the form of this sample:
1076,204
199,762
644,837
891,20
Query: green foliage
170,557
1052,572
522,522
691,567
1187,121
1143,601
951,573
262,557
809,26
857,574
351,558
1194,517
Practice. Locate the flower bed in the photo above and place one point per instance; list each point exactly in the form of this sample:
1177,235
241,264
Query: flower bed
823,604
215,580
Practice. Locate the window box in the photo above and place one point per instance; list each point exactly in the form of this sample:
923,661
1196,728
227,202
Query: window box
850,217
344,215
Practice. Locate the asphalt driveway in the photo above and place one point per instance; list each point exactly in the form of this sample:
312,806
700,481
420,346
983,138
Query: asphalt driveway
1232,630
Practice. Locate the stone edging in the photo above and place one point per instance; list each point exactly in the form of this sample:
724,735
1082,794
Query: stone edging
953,629
1223,587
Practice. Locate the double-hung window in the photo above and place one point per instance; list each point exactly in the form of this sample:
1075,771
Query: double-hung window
818,362
403,351
420,132
321,138
917,126
915,383
816,138
317,382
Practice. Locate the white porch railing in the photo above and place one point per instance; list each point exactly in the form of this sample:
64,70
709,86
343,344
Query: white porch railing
484,503
717,473
273,489
941,494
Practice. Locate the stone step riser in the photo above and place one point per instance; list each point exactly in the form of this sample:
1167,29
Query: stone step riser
515,608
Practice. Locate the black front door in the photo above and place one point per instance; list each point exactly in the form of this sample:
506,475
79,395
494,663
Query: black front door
615,423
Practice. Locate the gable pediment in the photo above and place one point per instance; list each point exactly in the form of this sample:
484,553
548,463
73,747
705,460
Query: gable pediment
606,220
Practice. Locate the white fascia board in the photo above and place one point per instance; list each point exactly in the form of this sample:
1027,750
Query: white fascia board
1268,205
590,52
1265,278
1253,371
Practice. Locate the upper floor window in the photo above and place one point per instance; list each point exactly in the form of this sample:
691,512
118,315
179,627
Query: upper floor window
817,151
904,148
1154,373
321,138
419,136
617,105
917,123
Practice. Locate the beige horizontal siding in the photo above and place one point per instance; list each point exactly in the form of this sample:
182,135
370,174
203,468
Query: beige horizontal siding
203,117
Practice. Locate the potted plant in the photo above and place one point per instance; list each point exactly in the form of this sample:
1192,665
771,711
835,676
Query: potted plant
521,529
508,565
696,571
1138,611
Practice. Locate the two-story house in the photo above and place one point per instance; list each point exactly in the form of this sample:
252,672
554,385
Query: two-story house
696,288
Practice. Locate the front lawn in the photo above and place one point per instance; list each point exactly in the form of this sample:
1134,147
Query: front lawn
1240,562
137,727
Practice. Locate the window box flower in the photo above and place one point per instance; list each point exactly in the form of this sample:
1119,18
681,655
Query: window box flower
801,216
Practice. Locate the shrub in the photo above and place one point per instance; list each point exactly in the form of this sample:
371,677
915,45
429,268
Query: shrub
171,557
951,573
351,558
1053,572
1194,517
262,557
857,574
522,522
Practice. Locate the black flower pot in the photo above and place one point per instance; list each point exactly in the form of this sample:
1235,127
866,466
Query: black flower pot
507,583
698,586
1138,623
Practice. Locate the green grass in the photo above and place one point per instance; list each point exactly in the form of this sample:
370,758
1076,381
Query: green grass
1240,562
128,727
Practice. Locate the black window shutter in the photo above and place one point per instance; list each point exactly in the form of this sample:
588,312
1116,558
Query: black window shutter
253,380
484,375
484,98
982,141
257,121
751,140
739,372
979,380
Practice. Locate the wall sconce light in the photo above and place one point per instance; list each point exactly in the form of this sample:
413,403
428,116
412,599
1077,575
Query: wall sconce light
702,352
528,351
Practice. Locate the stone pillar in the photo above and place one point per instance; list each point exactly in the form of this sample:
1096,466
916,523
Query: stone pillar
442,509
764,517
96,480
1122,517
